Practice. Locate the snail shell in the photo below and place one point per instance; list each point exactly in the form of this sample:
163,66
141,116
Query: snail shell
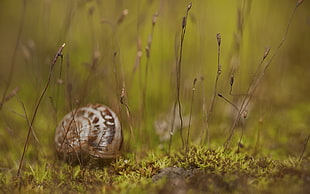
93,130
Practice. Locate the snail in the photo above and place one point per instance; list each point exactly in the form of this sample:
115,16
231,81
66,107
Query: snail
93,131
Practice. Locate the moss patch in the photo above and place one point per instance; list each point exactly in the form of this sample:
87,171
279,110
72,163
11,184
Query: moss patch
198,170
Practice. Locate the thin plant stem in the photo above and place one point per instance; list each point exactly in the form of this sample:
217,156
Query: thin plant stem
228,101
260,124
240,145
29,124
172,126
122,101
179,68
219,70
117,82
304,149
148,55
190,114
252,88
58,54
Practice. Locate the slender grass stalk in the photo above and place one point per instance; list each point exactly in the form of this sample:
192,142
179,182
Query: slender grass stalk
228,101
145,83
118,74
117,52
172,126
58,54
117,82
260,124
148,55
178,71
304,149
122,101
219,71
254,85
129,118
190,114
29,124
205,132
240,145
245,96
25,116
66,26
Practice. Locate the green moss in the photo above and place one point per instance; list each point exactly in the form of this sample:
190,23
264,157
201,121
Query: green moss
204,170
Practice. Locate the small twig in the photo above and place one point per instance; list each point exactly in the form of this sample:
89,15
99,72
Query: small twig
58,54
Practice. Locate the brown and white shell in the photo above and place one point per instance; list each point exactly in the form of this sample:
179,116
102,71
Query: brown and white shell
93,130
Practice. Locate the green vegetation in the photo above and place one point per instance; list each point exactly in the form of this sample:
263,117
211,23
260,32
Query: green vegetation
213,96
200,169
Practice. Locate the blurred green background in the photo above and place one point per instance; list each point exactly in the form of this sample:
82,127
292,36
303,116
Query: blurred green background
101,57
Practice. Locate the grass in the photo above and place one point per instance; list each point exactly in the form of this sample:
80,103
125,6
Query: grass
223,150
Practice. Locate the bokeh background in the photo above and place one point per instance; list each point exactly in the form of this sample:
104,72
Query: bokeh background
105,52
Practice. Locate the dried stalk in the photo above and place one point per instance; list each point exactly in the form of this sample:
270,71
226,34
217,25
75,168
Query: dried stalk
219,71
178,71
58,54
190,114
304,149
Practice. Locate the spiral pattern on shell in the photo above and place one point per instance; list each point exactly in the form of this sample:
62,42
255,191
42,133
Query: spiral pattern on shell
93,130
